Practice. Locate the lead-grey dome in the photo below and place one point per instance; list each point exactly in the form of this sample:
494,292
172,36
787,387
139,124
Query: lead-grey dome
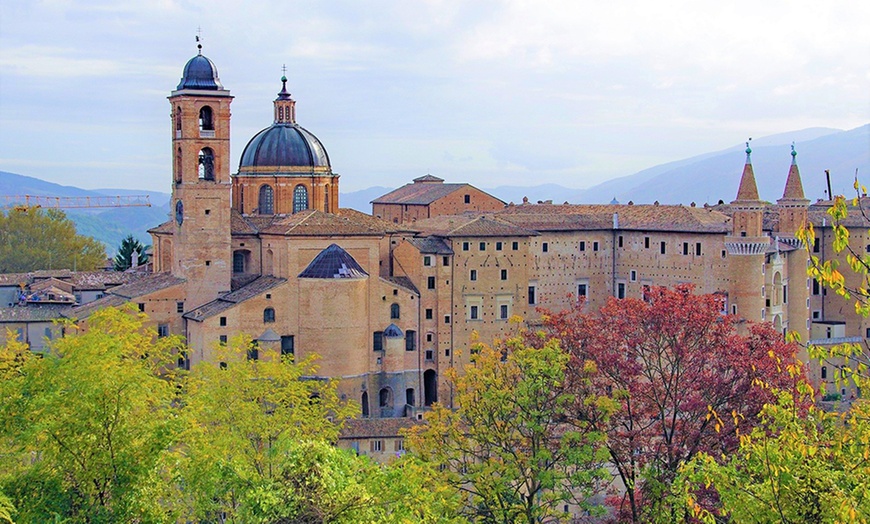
284,144
200,73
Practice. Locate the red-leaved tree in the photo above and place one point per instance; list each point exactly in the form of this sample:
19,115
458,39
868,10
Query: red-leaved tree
685,375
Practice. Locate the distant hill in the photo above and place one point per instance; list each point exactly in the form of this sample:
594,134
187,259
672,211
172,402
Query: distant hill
709,177
108,225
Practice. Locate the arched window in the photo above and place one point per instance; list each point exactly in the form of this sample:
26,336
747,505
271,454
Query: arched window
385,398
206,122
267,262
365,404
178,122
266,203
206,164
394,311
281,114
300,199
326,199
179,165
269,315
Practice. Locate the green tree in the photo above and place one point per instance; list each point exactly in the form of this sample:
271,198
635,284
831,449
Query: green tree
795,466
511,447
36,239
124,259
84,427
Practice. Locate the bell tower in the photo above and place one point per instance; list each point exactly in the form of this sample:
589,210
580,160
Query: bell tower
201,184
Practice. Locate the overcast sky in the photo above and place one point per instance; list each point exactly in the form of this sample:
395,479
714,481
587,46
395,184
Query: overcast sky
492,93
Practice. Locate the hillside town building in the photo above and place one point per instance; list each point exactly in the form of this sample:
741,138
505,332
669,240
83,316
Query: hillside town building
390,301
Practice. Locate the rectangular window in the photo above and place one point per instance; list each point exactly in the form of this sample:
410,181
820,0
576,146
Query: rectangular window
619,241
515,246
663,248
646,242
620,290
222,321
430,282
595,246
445,261
378,341
503,312
288,345
254,352
377,445
697,249
427,260
632,275
399,444
429,313
582,245
498,246
162,330
472,275
429,337
816,287
223,340
446,319
183,362
723,253
465,246
817,315
504,274
179,307
473,313
816,245
482,246
430,355
410,340
685,248
545,247
467,199
141,306
532,297
785,293
582,290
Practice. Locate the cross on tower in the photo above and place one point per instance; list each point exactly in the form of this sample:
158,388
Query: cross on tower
284,69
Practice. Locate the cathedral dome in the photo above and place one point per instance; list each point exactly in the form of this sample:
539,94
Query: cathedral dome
284,145
200,73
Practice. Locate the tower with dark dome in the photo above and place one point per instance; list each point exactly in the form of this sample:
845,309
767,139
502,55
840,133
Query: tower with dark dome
284,169
201,188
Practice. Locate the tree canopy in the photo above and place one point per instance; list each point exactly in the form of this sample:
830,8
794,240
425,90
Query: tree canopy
124,258
513,447
35,239
669,361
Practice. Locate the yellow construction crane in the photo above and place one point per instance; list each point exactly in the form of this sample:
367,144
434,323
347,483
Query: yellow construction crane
24,202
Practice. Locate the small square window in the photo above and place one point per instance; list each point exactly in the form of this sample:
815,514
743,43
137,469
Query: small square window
595,246
446,319
445,261
222,321
429,337
288,345
498,246
582,290
427,260
446,352
472,275
179,307
430,282
582,245
223,340
428,313
208,211
268,296
545,247
208,263
483,246
162,330
465,246
515,246
142,306
430,355
467,199
504,274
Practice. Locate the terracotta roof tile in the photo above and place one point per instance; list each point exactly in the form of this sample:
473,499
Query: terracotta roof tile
403,282
374,222
375,427
748,190
471,225
86,310
166,227
318,223
431,245
255,288
572,217
32,313
146,284
420,193
794,189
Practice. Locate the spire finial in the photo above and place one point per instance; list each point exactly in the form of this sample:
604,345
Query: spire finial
793,155
199,40
748,151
